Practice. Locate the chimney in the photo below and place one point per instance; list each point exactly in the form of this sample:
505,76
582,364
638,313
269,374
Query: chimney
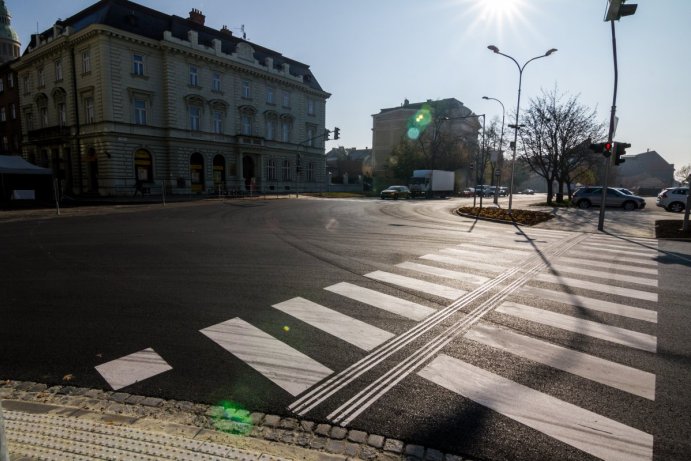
197,17
225,30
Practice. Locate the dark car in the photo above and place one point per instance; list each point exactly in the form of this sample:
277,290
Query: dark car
585,197
395,192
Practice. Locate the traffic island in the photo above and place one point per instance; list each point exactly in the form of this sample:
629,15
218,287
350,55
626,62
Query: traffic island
671,229
522,217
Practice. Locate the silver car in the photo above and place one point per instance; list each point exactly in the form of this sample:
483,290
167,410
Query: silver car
585,197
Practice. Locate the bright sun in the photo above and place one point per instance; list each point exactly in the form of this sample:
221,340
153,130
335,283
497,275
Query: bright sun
497,9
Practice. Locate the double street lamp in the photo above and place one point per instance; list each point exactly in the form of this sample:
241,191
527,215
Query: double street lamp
518,105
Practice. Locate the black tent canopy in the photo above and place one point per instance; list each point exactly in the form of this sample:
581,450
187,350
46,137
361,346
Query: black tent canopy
21,179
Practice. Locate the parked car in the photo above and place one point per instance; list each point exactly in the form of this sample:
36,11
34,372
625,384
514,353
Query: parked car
624,190
503,191
585,197
527,191
395,192
468,192
673,198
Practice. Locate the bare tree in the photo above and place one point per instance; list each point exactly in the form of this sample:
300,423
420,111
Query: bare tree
681,174
555,137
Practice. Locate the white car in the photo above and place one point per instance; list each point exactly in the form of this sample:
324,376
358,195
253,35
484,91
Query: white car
673,198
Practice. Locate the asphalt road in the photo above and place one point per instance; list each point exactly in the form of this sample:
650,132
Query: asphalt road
397,318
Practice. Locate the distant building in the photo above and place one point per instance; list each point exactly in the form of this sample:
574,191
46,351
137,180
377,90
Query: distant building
10,126
350,166
390,127
646,172
121,96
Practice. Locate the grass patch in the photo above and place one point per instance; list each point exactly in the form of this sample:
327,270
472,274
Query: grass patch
670,229
523,217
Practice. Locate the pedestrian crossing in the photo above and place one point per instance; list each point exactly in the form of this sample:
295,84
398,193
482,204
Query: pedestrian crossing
540,279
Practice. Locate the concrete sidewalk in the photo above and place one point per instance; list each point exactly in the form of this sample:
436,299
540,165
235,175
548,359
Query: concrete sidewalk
70,423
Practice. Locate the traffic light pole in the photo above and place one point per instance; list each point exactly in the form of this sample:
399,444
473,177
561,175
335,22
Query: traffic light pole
610,135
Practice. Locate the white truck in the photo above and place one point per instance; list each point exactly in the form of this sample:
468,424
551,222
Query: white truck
432,183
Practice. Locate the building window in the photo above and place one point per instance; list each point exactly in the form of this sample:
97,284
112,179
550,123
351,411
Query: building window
246,124
58,71
194,76
62,114
285,131
286,99
3,116
10,79
5,143
13,111
143,166
44,116
270,129
86,62
138,64
140,111
29,117
271,170
216,82
270,95
310,107
310,136
195,116
2,85
310,171
286,170
218,121
89,110
41,78
27,84
246,89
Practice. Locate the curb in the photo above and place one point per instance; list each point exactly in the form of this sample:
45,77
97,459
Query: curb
270,435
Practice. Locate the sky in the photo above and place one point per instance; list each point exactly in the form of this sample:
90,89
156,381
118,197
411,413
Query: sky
373,54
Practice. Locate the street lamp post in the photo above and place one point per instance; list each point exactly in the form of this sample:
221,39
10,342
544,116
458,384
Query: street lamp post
501,140
518,105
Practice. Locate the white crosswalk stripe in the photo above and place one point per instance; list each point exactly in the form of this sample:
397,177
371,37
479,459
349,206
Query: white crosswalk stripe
382,301
357,333
290,369
587,366
591,303
456,261
606,275
502,258
592,433
619,257
586,327
608,265
416,284
601,287
449,274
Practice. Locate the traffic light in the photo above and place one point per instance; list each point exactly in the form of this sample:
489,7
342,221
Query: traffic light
327,134
616,9
604,148
620,151
337,133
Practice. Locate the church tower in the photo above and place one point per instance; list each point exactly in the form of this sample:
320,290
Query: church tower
9,40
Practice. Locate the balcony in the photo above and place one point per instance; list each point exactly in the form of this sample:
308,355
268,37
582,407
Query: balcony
48,134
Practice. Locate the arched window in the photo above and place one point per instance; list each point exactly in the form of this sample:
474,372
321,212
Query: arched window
219,171
143,166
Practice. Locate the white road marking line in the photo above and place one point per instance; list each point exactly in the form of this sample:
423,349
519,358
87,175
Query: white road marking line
484,250
585,327
587,431
609,265
506,260
566,269
597,256
592,303
630,254
382,301
290,369
626,247
603,371
353,331
454,275
455,261
604,288
418,285
132,368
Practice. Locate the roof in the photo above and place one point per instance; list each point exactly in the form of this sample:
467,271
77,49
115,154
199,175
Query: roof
138,19
14,164
439,104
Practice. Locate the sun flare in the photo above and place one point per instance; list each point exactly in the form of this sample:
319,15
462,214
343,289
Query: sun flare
497,9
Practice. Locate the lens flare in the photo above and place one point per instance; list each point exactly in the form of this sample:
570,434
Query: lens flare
286,328
232,418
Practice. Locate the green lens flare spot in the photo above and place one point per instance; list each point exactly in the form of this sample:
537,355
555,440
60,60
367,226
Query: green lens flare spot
286,328
232,418
413,133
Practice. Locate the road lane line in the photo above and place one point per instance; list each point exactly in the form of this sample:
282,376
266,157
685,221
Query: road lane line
132,368
349,329
417,285
593,286
382,301
485,250
455,261
566,269
581,326
623,310
607,266
289,368
506,259
630,254
446,273
587,366
592,433
626,247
